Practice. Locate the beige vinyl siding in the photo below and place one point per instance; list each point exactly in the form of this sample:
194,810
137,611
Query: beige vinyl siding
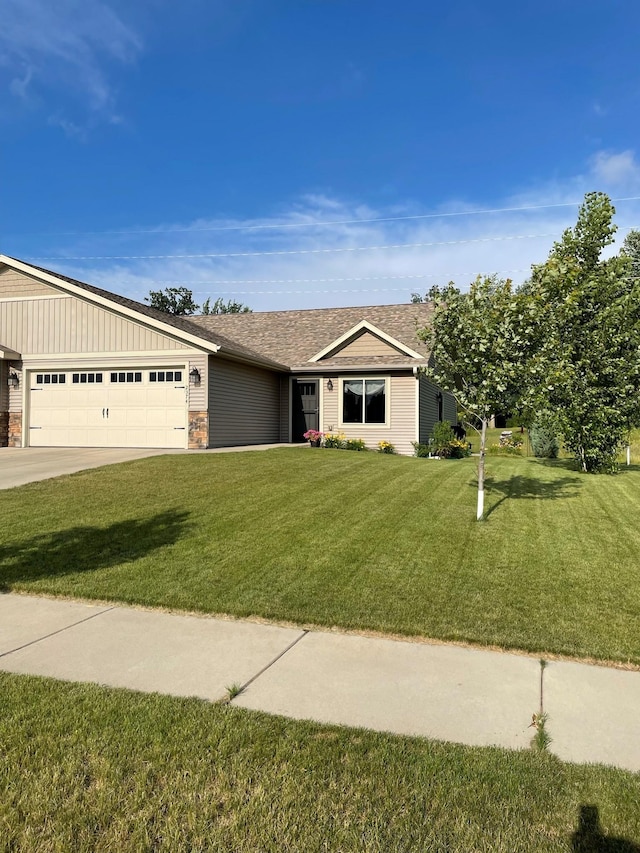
13,283
365,344
15,394
69,325
198,394
244,404
401,400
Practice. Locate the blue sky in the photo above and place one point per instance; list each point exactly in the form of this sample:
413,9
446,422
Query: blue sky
207,128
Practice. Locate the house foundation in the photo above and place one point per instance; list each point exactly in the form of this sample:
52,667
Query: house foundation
4,429
198,430
14,429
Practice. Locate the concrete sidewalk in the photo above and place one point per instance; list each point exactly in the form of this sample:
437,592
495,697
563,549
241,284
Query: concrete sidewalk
453,693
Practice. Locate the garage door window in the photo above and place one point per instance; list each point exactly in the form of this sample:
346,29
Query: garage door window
83,378
165,376
126,377
50,378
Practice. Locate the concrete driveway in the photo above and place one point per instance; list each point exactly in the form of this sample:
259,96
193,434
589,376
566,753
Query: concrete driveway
20,465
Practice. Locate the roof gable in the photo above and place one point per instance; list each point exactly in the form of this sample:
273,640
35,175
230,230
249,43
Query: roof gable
295,337
167,324
339,345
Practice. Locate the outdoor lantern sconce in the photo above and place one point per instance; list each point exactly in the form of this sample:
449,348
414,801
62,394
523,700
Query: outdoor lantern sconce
194,376
329,385
13,381
439,396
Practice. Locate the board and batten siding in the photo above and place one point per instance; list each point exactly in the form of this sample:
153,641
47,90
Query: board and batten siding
70,325
14,284
244,404
401,401
365,344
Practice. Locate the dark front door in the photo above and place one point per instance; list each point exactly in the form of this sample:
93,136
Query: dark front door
304,408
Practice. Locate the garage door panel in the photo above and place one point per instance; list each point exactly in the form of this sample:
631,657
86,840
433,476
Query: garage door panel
118,413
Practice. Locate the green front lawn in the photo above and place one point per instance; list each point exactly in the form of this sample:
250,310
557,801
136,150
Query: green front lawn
357,540
85,768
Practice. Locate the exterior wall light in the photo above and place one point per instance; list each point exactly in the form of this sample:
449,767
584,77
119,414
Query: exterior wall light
194,376
13,381
330,385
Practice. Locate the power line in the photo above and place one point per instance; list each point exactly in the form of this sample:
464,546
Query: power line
288,251
315,224
218,281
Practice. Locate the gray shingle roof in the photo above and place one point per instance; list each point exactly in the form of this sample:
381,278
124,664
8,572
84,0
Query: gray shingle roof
181,323
293,337
287,339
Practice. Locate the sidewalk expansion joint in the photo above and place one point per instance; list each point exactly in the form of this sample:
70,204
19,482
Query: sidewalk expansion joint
59,631
271,663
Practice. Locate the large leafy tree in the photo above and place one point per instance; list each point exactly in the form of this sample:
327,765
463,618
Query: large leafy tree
631,250
480,342
173,300
590,356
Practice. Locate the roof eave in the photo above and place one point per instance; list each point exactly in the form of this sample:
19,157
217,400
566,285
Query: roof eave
116,307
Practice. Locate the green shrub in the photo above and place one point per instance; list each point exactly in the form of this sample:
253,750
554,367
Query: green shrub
458,449
355,444
385,447
442,435
505,449
455,449
337,441
543,434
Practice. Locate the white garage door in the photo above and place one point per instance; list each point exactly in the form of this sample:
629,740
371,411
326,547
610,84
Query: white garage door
108,408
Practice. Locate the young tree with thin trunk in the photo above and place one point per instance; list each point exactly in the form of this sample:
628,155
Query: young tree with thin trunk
479,345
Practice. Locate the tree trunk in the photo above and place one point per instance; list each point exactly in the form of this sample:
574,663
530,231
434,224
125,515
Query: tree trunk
483,442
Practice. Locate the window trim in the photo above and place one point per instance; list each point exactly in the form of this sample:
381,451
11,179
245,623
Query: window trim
362,424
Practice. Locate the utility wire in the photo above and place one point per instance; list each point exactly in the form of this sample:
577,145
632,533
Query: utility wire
316,224
218,281
290,251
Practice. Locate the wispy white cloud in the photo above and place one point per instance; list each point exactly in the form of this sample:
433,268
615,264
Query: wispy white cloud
52,51
620,170
458,246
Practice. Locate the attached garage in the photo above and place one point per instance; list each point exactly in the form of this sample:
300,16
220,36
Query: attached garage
108,408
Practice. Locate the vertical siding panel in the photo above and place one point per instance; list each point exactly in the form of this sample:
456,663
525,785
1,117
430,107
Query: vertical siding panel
244,404
67,324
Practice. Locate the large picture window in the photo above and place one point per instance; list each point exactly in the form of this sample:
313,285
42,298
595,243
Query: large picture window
364,401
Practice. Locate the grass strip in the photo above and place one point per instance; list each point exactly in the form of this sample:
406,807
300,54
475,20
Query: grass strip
86,768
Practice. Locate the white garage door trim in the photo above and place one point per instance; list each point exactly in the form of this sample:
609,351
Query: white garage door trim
108,407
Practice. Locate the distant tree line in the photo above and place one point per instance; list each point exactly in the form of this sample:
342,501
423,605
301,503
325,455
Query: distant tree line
179,301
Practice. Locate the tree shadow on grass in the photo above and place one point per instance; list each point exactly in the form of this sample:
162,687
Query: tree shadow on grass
589,837
531,488
81,549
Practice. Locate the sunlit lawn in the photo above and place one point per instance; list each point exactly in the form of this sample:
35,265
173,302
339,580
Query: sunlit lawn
357,540
91,770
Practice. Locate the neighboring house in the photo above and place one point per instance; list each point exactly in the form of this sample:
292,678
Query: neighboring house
83,367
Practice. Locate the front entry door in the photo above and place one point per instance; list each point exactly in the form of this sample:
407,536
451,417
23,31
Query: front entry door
304,407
